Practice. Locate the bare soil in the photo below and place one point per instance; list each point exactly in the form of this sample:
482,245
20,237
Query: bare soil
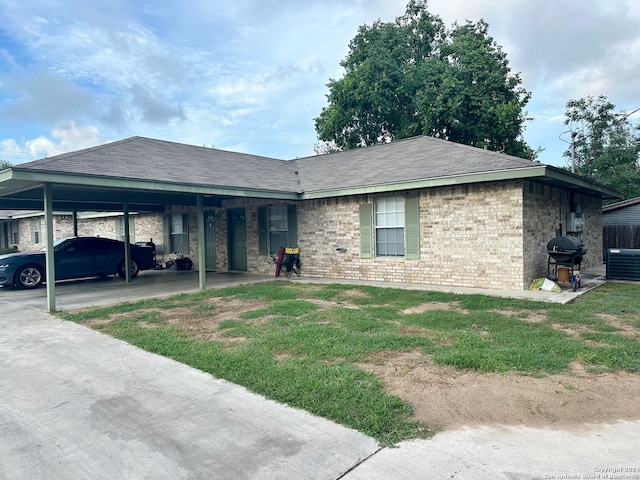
446,398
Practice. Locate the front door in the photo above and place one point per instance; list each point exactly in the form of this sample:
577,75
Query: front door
237,239
210,240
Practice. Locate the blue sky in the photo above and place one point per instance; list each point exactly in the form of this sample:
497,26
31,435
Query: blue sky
251,75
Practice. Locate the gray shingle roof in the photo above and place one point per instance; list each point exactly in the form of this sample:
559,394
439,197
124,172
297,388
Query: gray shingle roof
158,160
407,160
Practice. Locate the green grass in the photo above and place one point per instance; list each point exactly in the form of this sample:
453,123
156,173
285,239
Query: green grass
302,344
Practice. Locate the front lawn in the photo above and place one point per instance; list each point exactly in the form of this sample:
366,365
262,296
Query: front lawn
304,344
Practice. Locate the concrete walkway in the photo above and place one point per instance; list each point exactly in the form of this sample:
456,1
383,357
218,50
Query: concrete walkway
76,404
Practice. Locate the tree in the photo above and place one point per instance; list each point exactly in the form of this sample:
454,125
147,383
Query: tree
5,164
606,144
413,77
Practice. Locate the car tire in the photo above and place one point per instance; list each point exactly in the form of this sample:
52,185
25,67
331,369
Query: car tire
29,276
134,269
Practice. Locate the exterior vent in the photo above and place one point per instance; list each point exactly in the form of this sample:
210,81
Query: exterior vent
623,264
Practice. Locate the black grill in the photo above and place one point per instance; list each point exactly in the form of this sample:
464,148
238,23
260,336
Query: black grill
565,251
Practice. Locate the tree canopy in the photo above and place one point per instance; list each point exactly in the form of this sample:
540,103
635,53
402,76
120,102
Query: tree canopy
606,144
414,77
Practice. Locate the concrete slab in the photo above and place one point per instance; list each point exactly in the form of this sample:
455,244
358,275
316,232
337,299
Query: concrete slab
95,292
77,404
489,453
591,279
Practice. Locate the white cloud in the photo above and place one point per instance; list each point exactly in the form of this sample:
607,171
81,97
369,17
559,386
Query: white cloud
63,139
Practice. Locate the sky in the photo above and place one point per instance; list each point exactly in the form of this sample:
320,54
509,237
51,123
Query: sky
250,75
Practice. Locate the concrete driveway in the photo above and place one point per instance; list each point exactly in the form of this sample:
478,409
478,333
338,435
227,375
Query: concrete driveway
76,404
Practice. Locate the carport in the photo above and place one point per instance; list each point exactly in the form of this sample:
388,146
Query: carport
141,175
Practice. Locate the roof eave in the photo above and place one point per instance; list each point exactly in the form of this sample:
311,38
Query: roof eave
537,172
34,178
574,181
482,177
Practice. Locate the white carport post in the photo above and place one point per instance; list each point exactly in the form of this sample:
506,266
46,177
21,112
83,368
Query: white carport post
202,269
50,277
127,244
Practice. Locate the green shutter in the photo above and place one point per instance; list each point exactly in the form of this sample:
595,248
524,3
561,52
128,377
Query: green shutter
366,237
262,230
412,227
185,234
292,226
166,236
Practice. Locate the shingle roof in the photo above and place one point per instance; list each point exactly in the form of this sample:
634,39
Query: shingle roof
407,160
158,160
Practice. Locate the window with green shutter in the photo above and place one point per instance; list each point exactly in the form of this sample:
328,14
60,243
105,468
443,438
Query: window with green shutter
392,224
277,227
120,229
35,230
177,232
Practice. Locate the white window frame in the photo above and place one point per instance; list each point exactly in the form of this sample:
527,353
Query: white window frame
179,233
389,223
277,227
14,232
36,230
120,229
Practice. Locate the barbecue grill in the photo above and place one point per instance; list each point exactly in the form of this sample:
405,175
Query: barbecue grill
565,251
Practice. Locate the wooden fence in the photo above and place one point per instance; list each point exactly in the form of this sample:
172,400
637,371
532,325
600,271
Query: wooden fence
620,236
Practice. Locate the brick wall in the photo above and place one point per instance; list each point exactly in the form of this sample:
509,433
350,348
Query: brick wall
470,235
490,235
545,209
62,227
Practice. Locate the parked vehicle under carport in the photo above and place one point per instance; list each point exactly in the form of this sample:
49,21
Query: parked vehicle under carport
75,257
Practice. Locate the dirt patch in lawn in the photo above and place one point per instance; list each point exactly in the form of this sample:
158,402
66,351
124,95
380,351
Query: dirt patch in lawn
447,398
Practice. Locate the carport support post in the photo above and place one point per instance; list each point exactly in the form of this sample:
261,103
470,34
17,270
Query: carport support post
202,270
127,245
75,222
50,277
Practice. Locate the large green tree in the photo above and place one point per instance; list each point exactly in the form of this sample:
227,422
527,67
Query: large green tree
413,76
606,144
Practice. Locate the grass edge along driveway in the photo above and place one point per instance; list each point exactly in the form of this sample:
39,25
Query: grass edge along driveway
300,344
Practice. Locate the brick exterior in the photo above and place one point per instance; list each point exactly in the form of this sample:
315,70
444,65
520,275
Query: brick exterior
487,235
490,235
470,235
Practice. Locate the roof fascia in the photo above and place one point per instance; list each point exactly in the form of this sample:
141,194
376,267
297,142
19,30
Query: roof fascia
522,173
143,185
625,203
582,182
540,172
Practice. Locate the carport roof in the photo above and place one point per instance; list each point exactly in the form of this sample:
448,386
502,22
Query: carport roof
147,174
